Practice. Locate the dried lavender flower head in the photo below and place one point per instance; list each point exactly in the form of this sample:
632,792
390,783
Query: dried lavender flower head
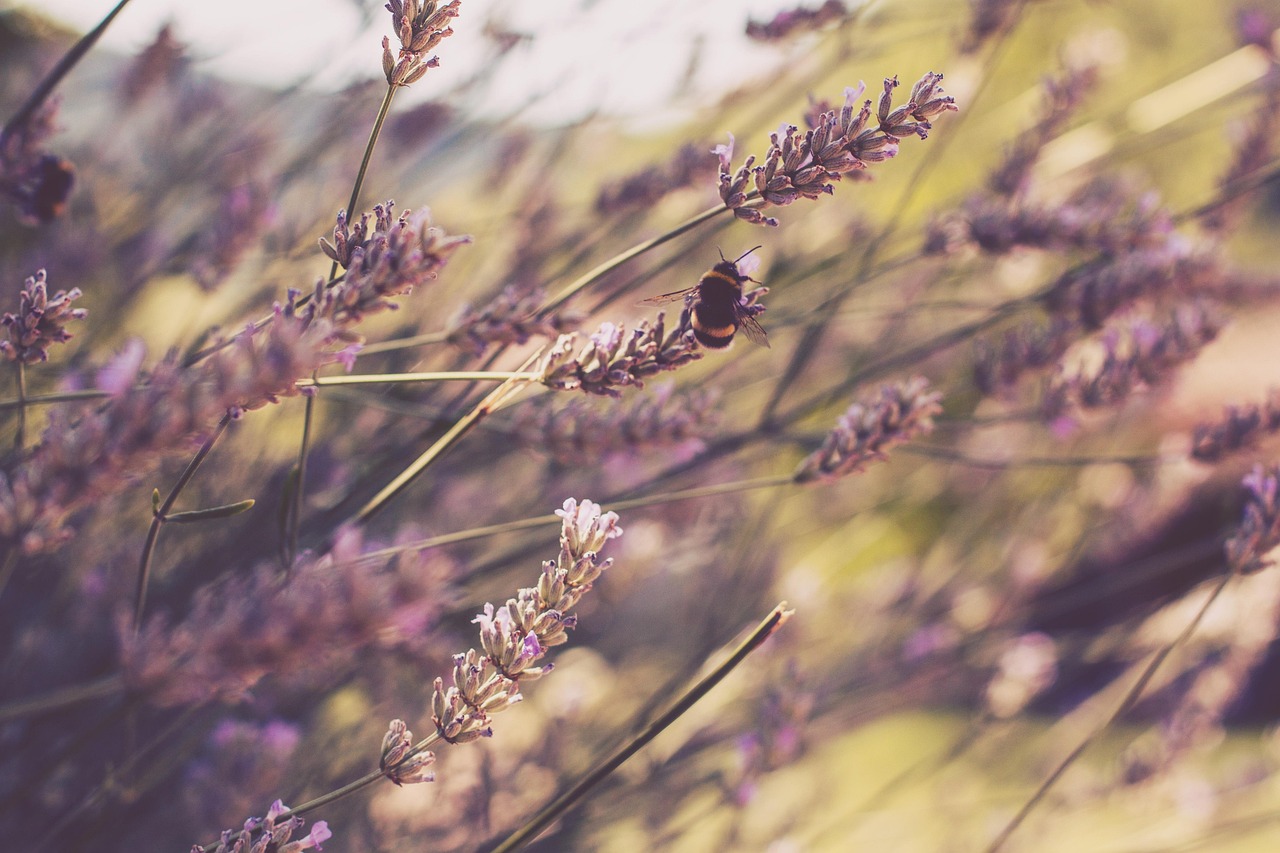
41,321
420,26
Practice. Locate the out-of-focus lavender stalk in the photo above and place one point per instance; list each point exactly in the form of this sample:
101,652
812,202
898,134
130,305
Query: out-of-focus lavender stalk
869,429
510,318
243,628
1259,530
580,428
647,187
788,22
1141,354
1239,427
37,182
105,450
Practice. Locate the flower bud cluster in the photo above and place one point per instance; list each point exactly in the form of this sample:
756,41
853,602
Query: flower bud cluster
581,429
612,359
399,254
272,837
41,321
1259,531
805,165
1142,354
867,431
420,26
513,639
510,318
1240,426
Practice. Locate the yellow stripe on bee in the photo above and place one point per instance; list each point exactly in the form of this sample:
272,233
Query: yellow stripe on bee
719,275
717,331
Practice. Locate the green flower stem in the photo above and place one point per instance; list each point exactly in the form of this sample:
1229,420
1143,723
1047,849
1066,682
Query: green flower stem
374,133
158,518
293,519
65,697
634,252
20,377
60,397
1130,699
543,520
439,376
381,378
496,398
404,343
596,775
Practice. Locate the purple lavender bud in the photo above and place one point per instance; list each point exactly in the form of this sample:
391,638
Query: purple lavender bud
611,359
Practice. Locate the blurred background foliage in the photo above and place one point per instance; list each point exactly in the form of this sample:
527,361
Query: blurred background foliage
893,712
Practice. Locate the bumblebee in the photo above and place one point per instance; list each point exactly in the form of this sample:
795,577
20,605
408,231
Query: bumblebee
716,310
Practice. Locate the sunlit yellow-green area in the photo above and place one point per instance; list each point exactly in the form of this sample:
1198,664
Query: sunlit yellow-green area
970,611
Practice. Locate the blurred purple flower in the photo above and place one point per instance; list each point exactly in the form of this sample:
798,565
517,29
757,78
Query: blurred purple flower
868,430
788,22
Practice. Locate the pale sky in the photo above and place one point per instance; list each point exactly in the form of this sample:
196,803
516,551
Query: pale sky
619,55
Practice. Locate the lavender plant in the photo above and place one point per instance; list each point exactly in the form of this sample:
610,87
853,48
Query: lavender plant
1009,457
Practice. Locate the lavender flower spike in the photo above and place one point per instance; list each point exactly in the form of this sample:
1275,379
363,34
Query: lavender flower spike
805,165
1259,531
514,637
868,429
612,359
420,26
586,528
398,763
272,836
41,321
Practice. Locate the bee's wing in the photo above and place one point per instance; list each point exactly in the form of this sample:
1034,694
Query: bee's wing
753,330
668,297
